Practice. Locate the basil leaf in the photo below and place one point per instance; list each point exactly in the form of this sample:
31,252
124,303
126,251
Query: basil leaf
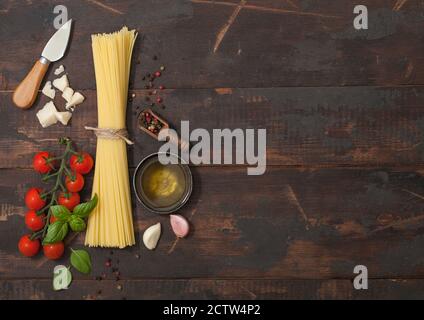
60,212
62,278
56,232
77,224
80,260
84,209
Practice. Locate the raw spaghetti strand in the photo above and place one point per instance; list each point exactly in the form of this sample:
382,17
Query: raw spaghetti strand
111,223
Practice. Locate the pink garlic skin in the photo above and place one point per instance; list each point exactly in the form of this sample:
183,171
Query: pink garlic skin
179,225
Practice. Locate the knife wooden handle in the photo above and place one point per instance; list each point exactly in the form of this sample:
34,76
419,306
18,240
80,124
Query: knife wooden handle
26,92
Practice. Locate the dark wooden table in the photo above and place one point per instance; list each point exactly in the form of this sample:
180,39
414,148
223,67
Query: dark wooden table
344,111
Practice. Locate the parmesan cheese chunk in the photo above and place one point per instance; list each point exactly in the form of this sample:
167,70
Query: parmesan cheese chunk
48,90
67,94
63,117
61,83
76,99
59,70
47,115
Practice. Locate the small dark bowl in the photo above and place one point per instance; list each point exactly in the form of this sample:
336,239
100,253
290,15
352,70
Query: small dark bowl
142,197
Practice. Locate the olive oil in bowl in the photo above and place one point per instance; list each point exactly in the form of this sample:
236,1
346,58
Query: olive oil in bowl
162,188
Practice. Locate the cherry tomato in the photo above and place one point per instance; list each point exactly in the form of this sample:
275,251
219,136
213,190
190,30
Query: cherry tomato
82,163
54,251
33,199
75,183
40,163
33,221
28,247
69,200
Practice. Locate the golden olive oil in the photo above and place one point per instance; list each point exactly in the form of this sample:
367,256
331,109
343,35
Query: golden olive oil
163,185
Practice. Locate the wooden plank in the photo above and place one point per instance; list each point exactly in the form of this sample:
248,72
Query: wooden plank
354,126
289,223
255,289
205,44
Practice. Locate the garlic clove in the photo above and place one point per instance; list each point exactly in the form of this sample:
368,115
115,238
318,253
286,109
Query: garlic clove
48,90
61,83
76,99
151,236
63,117
179,225
67,94
47,115
59,70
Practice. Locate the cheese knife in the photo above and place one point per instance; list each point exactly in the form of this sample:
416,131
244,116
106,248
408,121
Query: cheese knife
26,92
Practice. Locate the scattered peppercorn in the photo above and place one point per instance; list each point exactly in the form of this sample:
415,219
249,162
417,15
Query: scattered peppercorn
155,57
158,74
159,100
119,287
137,256
133,95
161,87
162,68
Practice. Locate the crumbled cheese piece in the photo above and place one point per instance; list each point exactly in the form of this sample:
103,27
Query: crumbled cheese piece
59,70
61,83
63,117
48,90
76,99
67,94
47,115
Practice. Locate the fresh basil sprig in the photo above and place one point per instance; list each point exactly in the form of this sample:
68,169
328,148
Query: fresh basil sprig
77,224
58,230
80,260
61,213
84,209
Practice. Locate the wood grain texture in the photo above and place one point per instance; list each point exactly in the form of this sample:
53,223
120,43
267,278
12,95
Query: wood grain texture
268,44
353,216
222,289
344,116
355,126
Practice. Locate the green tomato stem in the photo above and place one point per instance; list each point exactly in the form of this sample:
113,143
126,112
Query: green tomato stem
58,186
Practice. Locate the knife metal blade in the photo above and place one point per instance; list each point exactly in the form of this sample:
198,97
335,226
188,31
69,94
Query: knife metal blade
56,47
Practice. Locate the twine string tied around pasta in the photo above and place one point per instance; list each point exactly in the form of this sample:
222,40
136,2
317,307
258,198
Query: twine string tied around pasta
110,133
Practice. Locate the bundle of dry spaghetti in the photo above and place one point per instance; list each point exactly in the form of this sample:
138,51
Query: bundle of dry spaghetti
111,223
